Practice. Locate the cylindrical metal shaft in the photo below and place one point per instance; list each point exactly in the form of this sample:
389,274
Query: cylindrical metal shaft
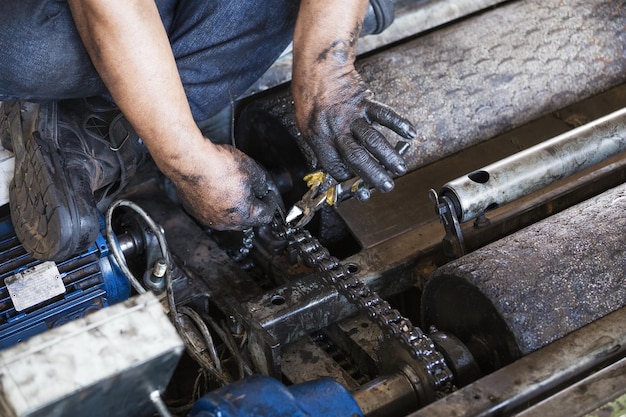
388,395
528,289
537,167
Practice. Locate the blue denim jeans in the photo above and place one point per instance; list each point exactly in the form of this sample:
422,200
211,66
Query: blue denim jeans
221,48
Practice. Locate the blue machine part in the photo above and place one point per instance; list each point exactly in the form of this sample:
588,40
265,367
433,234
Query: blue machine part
262,396
92,281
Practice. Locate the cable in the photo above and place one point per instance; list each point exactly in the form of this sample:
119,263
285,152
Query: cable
204,330
114,246
159,404
214,368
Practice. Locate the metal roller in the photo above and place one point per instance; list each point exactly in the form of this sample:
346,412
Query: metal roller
499,69
534,168
470,81
526,290
411,18
545,371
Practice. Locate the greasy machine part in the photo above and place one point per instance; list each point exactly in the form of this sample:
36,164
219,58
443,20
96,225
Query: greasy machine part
409,344
533,169
542,373
466,83
530,288
408,207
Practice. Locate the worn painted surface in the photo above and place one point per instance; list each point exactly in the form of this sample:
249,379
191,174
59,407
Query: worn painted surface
104,364
264,396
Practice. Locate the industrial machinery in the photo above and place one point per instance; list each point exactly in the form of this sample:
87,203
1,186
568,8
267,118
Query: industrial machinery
490,281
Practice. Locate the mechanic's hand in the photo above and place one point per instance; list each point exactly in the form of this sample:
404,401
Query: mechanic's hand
228,192
336,117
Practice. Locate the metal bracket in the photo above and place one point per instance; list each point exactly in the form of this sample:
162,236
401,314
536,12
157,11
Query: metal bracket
453,242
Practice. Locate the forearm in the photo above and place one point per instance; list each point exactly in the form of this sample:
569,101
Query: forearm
325,39
221,186
130,50
335,111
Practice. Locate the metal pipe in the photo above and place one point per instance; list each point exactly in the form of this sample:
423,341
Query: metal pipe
130,244
529,379
534,168
593,396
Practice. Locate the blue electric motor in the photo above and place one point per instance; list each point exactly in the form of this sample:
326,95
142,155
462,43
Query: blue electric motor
262,396
36,296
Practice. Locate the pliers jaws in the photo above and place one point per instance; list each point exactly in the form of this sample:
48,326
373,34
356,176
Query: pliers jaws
321,189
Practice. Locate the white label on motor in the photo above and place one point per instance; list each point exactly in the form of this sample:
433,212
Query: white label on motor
34,285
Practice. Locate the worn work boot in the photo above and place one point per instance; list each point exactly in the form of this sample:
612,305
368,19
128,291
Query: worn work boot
69,156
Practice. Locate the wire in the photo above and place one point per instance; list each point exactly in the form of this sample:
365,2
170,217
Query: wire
231,345
115,248
215,368
204,330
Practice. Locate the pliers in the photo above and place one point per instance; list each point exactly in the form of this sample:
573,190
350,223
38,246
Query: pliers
321,190
324,189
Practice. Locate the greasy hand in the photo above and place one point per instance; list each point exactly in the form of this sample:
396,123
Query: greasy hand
227,192
338,122
334,110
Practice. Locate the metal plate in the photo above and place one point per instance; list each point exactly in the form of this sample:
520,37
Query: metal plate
35,285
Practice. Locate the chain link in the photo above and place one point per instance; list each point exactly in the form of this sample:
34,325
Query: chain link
391,322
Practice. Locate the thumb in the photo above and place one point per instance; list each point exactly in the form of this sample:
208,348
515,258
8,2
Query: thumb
263,210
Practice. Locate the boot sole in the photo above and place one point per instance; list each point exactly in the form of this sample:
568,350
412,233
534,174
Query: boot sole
52,219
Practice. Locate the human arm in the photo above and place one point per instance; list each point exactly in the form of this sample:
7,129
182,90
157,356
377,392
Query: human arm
128,46
334,109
